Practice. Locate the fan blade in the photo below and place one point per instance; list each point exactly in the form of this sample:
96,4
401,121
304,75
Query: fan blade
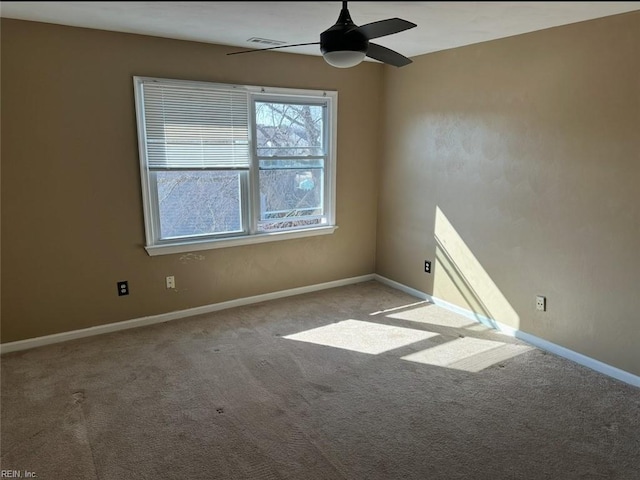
273,48
385,55
383,28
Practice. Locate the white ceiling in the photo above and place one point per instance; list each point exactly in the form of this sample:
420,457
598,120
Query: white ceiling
441,25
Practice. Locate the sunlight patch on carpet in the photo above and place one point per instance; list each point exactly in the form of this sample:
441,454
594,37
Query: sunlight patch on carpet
363,337
401,307
469,354
479,327
434,316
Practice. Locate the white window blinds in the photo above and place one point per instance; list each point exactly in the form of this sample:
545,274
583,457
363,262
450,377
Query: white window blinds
189,126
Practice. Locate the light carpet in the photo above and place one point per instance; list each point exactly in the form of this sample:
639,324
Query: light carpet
361,382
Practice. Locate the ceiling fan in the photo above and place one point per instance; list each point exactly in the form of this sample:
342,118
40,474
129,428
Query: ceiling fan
346,44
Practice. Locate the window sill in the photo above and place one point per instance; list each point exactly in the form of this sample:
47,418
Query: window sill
154,250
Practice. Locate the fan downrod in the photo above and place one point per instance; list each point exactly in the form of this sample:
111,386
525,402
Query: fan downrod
343,35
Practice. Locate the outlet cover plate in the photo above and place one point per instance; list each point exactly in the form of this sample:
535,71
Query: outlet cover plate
123,288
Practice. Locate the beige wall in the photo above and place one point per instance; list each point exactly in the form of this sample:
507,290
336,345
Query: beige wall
72,222
515,165
512,164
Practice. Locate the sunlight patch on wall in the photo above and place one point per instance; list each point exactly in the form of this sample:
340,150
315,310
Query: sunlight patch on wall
363,337
469,354
459,276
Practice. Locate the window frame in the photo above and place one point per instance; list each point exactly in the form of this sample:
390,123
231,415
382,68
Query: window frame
249,179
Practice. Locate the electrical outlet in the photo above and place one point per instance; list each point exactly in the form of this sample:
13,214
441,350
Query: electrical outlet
123,288
171,282
427,266
541,303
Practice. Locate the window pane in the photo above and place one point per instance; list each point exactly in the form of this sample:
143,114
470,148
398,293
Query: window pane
198,203
286,130
291,198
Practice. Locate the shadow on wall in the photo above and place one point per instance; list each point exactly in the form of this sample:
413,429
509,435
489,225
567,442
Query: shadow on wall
458,274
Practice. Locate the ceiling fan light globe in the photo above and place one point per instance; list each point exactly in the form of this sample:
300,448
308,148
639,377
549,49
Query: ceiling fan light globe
344,58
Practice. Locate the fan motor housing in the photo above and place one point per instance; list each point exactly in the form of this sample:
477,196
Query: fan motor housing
343,37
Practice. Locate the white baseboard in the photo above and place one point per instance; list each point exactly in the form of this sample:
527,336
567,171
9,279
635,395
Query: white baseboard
576,357
399,286
165,317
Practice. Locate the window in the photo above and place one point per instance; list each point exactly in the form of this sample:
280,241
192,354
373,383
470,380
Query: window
225,165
